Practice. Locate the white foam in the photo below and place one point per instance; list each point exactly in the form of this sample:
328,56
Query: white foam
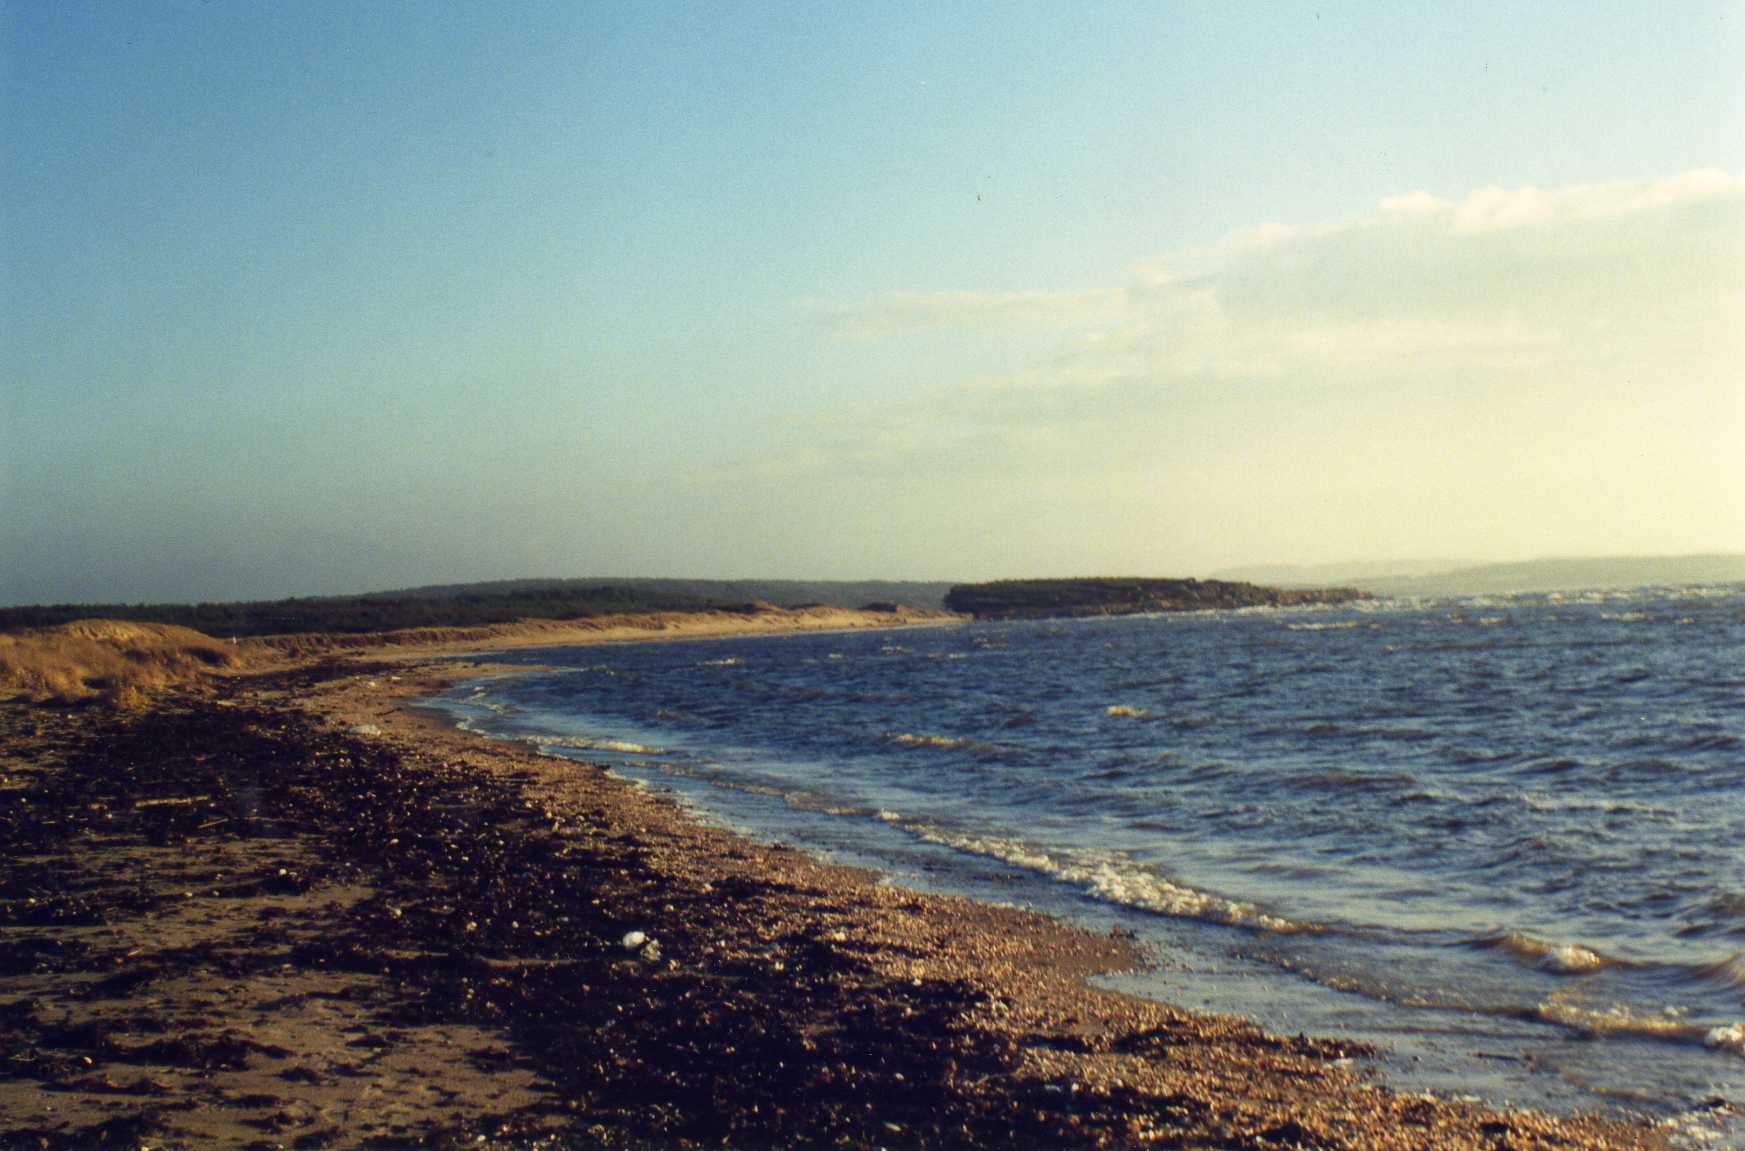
581,743
1120,709
1728,1038
904,739
1109,876
1558,958
1571,959
1619,1020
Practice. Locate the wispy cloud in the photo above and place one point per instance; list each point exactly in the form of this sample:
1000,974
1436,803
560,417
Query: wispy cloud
1529,369
1501,278
1495,209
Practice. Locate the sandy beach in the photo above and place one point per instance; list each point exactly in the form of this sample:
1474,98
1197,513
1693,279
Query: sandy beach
284,906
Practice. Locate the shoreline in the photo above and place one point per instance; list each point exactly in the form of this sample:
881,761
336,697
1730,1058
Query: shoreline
470,891
647,627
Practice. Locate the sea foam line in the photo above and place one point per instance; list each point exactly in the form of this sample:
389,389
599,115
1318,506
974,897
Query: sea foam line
1107,876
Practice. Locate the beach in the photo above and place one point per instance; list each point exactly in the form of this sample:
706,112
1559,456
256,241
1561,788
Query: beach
286,905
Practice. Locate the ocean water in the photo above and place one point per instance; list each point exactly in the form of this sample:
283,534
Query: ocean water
1501,839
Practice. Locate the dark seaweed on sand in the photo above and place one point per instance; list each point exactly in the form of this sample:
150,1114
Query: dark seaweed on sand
503,924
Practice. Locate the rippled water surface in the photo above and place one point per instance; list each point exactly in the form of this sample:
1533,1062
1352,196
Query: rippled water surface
1501,838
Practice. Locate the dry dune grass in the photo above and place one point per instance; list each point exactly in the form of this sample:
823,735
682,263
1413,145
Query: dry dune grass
126,663
615,627
123,663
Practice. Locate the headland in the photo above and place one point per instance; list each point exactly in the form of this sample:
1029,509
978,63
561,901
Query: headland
1065,598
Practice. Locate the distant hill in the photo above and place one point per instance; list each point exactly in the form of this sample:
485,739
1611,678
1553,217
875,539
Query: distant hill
469,605
1053,598
1549,575
1442,578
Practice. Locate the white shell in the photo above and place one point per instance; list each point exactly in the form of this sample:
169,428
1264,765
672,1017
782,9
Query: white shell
633,940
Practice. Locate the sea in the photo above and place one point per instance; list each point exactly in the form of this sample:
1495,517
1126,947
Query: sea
1501,839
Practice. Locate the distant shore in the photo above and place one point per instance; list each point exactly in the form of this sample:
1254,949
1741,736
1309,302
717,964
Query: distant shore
638,627
285,905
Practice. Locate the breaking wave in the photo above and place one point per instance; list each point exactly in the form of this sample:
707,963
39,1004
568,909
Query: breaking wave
1558,958
937,742
1621,1021
1108,876
581,743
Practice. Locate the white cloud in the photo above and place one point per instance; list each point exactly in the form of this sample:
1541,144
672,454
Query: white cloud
1497,209
1515,369
1500,279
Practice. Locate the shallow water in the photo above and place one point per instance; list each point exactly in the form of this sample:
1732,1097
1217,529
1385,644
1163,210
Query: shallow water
1500,838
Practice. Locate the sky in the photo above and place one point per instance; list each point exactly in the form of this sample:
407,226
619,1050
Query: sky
318,298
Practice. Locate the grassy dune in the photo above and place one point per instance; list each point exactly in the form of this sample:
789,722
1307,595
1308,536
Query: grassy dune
123,663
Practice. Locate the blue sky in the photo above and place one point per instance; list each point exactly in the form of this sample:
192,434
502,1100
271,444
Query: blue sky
317,298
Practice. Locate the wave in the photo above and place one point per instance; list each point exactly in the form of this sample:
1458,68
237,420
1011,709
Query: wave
1715,742
1728,1038
480,697
581,743
729,661
1619,1021
1338,779
1554,766
904,740
822,804
1121,710
1107,876
1341,625
1728,973
939,743
1557,958
1726,905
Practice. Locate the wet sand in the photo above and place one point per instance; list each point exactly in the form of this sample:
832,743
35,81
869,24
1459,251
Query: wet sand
293,910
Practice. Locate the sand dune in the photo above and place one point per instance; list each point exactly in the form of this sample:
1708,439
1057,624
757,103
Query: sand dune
123,663
764,620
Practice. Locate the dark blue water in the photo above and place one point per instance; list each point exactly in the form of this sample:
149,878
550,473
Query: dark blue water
1500,838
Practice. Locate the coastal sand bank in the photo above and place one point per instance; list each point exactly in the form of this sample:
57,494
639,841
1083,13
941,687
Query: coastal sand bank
289,908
